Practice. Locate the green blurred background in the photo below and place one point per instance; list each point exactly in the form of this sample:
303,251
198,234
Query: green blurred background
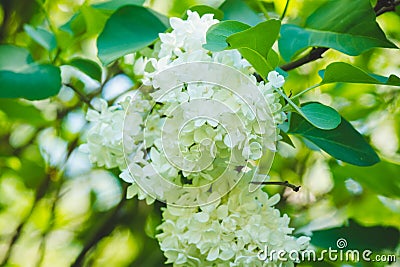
55,207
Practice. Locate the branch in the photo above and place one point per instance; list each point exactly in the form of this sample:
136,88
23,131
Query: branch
81,96
51,174
390,6
284,11
105,228
50,225
381,7
314,54
285,183
40,193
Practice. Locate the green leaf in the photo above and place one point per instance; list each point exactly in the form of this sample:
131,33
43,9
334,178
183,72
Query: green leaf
217,34
318,115
321,116
88,21
129,29
345,16
255,44
13,57
371,177
343,143
95,20
23,78
177,8
286,139
330,26
240,11
273,58
259,63
374,238
89,67
115,4
32,173
76,25
295,38
259,38
43,37
22,112
346,73
203,9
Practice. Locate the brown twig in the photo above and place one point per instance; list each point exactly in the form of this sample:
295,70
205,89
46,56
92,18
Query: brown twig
285,183
314,54
81,96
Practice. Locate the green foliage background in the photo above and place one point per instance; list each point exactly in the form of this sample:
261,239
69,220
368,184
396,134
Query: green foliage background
57,210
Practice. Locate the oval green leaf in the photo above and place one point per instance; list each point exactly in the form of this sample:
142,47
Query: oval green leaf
240,11
346,26
14,57
259,38
259,63
24,78
255,45
89,67
129,29
346,73
295,38
343,143
321,116
218,33
43,37
115,4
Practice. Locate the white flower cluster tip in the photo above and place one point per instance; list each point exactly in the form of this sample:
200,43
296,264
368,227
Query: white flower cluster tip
230,232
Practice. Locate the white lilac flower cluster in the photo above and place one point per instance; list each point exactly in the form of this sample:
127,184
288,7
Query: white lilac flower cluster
104,139
143,133
234,231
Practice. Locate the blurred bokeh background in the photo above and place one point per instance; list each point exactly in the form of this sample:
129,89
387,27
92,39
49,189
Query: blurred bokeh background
56,209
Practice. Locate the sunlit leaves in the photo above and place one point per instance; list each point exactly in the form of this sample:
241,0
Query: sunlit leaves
240,11
21,77
346,73
255,43
115,4
295,38
259,38
329,27
343,142
218,33
88,21
129,29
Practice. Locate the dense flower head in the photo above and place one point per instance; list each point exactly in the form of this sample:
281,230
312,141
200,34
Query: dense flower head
145,138
229,232
104,138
